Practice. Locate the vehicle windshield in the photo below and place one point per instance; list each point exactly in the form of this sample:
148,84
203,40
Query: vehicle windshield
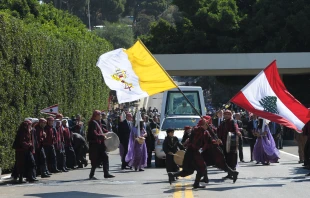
177,105
178,123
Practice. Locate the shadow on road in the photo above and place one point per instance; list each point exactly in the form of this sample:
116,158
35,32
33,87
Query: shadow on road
299,170
71,194
247,186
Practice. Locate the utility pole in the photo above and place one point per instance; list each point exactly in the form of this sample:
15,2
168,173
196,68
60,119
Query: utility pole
89,27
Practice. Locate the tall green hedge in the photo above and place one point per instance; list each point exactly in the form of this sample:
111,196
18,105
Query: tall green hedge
45,59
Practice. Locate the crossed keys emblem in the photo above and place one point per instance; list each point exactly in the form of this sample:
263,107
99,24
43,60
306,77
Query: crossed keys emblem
120,75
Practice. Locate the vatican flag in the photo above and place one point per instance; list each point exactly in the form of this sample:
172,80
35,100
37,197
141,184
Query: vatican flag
134,73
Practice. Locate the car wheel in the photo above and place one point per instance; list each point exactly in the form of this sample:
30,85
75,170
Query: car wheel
159,163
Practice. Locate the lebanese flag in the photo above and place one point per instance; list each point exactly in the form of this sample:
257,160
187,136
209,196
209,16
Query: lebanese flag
52,110
267,97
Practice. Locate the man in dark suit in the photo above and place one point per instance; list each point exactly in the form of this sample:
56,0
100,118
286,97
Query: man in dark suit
251,127
124,134
218,119
150,140
240,126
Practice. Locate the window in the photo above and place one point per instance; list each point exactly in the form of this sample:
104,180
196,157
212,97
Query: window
176,104
178,123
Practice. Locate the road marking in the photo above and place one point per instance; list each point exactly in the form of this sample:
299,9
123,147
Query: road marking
289,154
188,191
178,193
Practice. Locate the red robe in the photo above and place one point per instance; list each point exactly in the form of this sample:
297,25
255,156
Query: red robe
39,135
23,145
95,137
50,138
222,131
67,136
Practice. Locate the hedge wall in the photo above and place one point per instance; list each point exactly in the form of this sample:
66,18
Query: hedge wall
45,59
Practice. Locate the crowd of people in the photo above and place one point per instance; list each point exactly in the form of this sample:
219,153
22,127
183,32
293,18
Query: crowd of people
51,145
47,146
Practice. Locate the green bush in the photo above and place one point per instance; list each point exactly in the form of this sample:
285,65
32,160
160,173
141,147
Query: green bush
46,58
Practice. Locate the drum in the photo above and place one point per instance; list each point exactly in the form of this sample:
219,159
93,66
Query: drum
112,141
178,157
232,142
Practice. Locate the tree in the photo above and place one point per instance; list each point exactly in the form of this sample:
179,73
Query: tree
120,35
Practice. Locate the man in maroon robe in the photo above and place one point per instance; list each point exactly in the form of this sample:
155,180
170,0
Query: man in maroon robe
97,149
23,145
48,145
70,154
40,156
212,152
192,158
228,125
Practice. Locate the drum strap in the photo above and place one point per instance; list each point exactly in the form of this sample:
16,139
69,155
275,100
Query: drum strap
101,132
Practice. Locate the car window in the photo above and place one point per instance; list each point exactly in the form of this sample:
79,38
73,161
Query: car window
178,123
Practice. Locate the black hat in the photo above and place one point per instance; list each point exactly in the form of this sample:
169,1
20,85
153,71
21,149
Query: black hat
169,130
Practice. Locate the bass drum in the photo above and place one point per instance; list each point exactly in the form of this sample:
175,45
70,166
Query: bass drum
232,142
179,157
112,141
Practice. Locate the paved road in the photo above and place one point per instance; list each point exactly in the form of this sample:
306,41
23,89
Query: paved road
286,179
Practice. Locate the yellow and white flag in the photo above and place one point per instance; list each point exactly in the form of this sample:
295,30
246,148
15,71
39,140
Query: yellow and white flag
133,73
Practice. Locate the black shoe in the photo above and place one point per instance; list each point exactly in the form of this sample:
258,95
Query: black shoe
91,175
48,173
45,175
198,186
308,175
170,175
56,171
306,167
141,169
235,176
205,180
32,180
228,177
85,164
242,161
109,176
300,161
64,170
80,166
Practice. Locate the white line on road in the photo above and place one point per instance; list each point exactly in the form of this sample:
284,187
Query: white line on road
289,154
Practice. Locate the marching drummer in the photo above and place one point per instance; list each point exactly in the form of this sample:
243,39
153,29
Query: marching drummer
97,149
228,125
171,145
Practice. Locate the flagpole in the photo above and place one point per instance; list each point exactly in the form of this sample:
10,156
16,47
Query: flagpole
196,111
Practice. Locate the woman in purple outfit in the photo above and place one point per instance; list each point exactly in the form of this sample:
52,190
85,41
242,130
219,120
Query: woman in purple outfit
137,151
265,150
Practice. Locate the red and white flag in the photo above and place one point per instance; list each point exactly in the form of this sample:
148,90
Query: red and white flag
267,97
52,110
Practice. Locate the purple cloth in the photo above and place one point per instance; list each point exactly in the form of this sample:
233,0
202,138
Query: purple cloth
137,153
265,148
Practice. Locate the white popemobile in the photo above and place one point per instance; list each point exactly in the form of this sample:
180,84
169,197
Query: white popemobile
177,113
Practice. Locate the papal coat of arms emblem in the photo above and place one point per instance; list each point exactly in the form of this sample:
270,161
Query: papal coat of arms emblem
120,75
